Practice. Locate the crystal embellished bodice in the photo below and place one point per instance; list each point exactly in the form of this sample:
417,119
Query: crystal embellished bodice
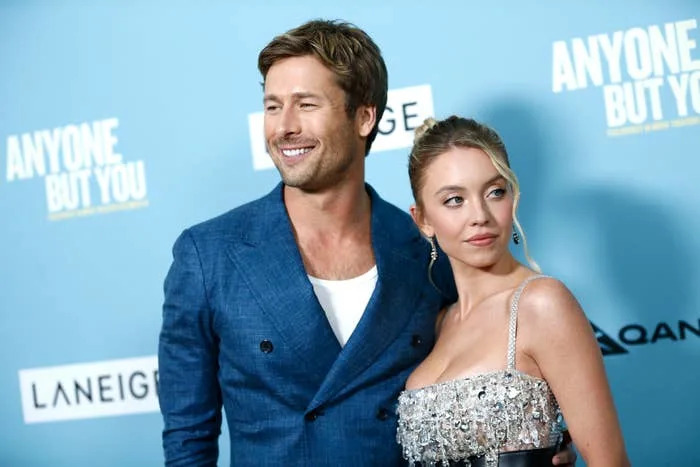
479,415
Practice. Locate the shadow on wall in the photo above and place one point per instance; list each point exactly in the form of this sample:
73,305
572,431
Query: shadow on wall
642,258
632,257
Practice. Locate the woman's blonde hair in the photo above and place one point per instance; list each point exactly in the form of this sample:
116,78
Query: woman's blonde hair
434,138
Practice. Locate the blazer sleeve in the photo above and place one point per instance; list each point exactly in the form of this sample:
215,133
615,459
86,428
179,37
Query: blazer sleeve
189,393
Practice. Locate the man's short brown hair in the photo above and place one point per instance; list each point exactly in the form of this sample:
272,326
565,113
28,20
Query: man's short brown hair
347,51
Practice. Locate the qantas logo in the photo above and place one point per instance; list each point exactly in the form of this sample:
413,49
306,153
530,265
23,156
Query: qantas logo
637,334
607,344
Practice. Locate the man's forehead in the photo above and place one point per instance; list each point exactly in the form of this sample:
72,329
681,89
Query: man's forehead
299,77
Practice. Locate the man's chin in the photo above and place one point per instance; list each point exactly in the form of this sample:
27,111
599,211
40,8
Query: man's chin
306,185
301,183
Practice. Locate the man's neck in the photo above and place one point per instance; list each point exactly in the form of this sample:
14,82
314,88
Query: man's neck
332,230
332,212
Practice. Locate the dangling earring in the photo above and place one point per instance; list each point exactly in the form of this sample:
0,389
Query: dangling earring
433,258
516,236
433,251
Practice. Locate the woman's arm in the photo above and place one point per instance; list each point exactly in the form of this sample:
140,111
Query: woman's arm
555,333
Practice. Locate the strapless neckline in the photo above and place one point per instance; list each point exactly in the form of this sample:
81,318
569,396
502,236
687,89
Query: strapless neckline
482,414
469,378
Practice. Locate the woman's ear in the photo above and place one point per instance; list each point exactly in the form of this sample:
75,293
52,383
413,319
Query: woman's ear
420,220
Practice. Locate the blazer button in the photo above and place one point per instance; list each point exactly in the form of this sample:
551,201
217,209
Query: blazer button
382,414
416,340
266,346
311,416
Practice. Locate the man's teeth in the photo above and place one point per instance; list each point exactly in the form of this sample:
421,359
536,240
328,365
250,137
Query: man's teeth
295,152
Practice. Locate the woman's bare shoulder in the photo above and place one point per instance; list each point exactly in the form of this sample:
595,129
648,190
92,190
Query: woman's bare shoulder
548,298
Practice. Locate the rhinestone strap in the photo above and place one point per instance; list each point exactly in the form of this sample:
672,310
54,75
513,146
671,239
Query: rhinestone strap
514,319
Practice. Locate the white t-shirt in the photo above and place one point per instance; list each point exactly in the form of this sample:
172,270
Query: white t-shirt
344,301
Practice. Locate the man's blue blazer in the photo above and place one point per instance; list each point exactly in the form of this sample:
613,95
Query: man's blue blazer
243,328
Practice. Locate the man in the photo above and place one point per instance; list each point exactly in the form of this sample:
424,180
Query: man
302,312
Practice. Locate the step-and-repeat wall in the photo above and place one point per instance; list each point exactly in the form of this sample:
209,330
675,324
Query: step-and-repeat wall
122,123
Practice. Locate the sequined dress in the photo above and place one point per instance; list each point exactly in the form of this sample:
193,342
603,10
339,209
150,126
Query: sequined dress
480,415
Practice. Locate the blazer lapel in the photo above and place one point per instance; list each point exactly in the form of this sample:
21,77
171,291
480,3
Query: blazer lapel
269,261
397,294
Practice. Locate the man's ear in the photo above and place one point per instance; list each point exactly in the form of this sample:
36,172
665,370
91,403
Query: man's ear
419,218
365,117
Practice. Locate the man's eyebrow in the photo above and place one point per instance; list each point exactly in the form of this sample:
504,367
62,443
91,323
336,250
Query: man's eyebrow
295,95
305,95
270,97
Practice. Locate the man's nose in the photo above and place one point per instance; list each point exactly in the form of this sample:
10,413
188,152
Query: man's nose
288,123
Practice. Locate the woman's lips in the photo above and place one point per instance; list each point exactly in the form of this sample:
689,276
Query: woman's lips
482,239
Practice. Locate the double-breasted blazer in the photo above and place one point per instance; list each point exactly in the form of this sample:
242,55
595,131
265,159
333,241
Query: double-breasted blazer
242,329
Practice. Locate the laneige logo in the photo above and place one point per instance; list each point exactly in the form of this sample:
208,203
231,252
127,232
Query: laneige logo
90,390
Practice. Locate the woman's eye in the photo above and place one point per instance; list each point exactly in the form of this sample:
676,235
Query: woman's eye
453,201
497,193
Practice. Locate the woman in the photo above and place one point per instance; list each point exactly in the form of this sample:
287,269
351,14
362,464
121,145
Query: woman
479,396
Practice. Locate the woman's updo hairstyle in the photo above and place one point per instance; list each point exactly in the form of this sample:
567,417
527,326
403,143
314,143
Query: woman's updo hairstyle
434,138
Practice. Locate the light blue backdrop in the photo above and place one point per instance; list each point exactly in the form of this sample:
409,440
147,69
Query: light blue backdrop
613,215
